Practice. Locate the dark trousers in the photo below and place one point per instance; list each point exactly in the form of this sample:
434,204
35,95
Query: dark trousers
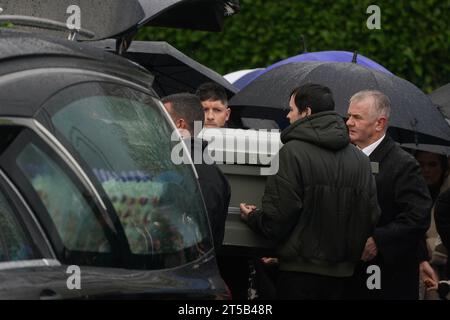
264,280
235,272
307,286
399,282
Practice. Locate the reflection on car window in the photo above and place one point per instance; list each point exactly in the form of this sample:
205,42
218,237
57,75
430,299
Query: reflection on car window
74,220
14,245
124,138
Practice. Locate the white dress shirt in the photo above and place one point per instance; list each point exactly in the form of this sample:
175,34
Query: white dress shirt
369,149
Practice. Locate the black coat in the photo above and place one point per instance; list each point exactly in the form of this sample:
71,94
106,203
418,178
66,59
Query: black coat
442,218
404,201
215,190
405,206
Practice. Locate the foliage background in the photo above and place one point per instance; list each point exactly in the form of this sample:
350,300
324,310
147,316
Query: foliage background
413,43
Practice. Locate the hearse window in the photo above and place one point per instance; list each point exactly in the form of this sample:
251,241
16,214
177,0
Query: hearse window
69,211
14,244
124,138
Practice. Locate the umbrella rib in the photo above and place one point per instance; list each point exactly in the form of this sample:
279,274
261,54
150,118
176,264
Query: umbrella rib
174,66
380,89
376,80
153,65
188,69
186,84
181,72
171,78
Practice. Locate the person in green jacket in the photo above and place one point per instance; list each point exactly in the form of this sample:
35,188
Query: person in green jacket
321,205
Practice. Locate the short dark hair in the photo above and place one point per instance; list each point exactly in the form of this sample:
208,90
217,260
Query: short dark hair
319,98
186,106
212,91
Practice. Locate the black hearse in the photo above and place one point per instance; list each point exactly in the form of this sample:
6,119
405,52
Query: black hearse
91,205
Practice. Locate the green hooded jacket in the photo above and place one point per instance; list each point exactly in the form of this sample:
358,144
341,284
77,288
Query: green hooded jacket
321,206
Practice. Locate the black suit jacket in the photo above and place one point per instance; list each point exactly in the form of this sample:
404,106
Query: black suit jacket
405,206
404,201
215,190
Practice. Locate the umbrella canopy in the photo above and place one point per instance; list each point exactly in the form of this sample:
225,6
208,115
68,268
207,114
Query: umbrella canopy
336,56
247,78
413,113
441,97
206,15
174,72
232,77
332,56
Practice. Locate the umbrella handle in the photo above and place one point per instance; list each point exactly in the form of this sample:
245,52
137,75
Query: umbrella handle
303,42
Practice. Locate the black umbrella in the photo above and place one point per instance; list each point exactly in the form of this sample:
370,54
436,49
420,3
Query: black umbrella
206,15
174,71
413,114
441,97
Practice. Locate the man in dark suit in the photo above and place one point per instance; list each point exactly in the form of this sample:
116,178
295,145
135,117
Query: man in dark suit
402,196
185,109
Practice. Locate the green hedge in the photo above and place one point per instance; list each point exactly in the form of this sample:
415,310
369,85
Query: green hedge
413,43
